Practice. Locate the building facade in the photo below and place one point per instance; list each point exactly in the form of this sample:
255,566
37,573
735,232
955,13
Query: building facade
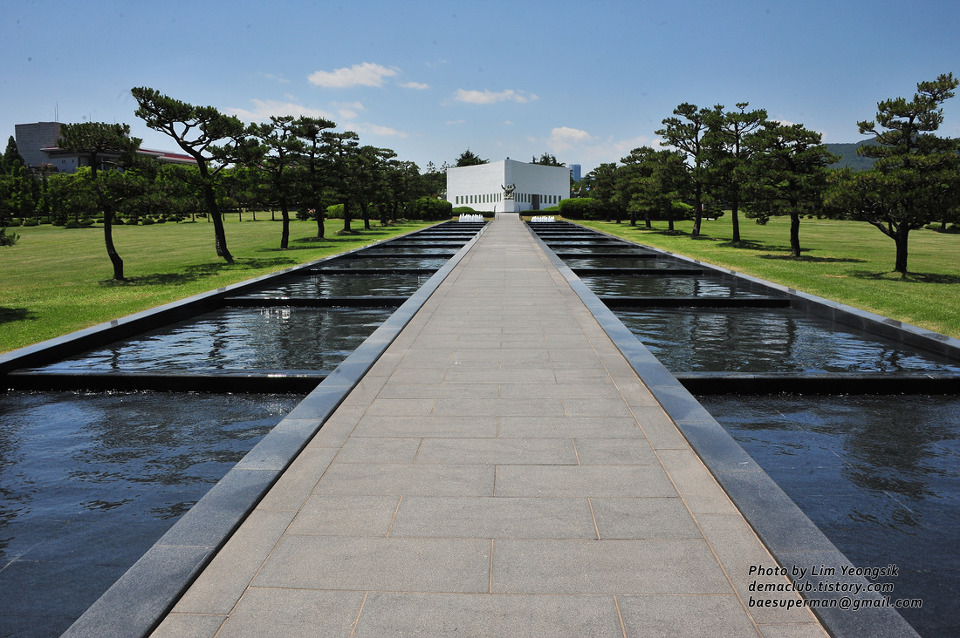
37,144
507,186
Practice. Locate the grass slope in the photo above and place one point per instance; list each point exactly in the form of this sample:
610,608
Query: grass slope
849,262
55,281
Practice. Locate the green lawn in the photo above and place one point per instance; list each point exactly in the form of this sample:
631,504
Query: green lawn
849,262
54,280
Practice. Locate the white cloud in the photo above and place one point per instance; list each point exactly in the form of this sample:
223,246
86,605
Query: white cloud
415,85
349,110
366,74
377,129
275,78
263,109
565,137
491,97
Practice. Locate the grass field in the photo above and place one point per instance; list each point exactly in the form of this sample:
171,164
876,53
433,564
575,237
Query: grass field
54,280
849,262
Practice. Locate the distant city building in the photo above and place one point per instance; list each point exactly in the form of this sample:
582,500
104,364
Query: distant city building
37,144
575,172
507,186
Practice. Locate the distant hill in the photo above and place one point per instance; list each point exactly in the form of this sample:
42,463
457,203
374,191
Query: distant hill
848,155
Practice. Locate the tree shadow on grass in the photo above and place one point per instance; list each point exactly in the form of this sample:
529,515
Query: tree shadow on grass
200,271
9,315
911,277
749,244
814,260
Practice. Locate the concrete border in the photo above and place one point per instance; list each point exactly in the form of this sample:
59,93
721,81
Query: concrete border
789,534
138,601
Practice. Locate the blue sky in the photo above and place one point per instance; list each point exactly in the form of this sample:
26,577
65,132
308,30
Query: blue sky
586,81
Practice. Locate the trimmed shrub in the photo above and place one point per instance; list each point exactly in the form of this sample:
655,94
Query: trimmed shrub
335,211
463,210
31,221
580,208
431,209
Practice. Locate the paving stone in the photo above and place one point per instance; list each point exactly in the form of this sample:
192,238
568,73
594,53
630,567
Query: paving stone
379,450
498,451
224,580
335,515
469,406
297,482
293,612
384,564
177,625
621,567
632,451
491,616
486,517
569,427
383,479
620,518
564,481
465,427
684,616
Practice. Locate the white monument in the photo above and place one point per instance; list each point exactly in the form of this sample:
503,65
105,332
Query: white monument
507,186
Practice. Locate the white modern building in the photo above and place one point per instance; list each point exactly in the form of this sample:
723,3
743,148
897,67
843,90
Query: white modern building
507,186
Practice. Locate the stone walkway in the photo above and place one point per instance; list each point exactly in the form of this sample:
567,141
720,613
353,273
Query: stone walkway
501,471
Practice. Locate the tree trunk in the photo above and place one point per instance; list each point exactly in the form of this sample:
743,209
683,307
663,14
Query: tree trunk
218,231
285,233
795,233
319,214
698,212
365,213
111,249
901,240
734,213
346,216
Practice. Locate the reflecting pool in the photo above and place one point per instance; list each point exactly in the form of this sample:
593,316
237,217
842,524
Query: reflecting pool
880,476
88,482
281,338
665,286
768,340
345,285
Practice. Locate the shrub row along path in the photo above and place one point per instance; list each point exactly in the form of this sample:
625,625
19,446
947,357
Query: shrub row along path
500,471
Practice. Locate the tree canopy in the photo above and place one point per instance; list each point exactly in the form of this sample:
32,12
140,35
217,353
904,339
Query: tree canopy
469,158
915,174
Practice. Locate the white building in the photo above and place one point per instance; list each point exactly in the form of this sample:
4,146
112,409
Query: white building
507,186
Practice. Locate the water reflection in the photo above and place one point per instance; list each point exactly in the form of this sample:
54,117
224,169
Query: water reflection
664,286
281,338
387,262
88,482
880,477
782,340
330,285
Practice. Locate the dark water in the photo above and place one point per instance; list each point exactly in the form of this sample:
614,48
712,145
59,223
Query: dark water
327,285
879,475
663,286
411,250
280,338
769,340
625,262
388,262
88,482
